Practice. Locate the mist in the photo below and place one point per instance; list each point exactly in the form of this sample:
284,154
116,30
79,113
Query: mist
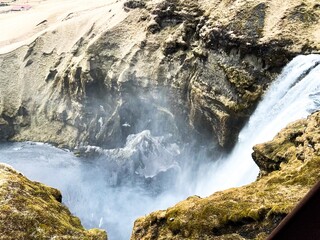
156,165
86,187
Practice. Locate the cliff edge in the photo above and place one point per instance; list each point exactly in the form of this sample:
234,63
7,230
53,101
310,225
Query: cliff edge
31,210
289,168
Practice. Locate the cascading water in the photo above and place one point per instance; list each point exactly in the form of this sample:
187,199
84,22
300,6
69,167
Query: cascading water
294,95
111,188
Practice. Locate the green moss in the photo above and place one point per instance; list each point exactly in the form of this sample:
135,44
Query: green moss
251,211
245,85
30,210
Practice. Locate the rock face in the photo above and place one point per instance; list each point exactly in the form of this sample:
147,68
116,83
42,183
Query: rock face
97,75
300,141
31,210
289,168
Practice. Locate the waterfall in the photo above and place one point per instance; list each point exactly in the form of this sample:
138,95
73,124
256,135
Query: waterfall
111,188
292,96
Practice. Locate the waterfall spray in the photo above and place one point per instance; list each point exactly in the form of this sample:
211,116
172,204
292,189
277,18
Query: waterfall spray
91,189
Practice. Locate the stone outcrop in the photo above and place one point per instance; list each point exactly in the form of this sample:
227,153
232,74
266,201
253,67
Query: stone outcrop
31,210
99,75
289,168
300,141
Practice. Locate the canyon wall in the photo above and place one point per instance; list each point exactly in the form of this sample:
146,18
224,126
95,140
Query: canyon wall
97,75
192,69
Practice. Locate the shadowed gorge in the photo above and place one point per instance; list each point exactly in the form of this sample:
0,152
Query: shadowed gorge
130,106
155,169
215,60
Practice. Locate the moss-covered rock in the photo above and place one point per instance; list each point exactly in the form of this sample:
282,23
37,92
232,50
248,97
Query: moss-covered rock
290,166
31,210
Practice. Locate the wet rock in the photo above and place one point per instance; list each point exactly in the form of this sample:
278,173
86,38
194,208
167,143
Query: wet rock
6,129
145,159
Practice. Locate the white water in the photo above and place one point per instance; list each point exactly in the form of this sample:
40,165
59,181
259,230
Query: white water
89,186
294,95
86,187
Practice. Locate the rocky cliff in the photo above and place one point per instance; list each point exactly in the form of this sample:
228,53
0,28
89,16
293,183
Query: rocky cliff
31,210
289,168
93,74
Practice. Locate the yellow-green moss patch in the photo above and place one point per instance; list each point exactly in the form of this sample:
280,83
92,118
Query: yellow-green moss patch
252,211
31,210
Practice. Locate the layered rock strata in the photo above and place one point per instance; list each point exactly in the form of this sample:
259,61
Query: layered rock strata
95,75
289,168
